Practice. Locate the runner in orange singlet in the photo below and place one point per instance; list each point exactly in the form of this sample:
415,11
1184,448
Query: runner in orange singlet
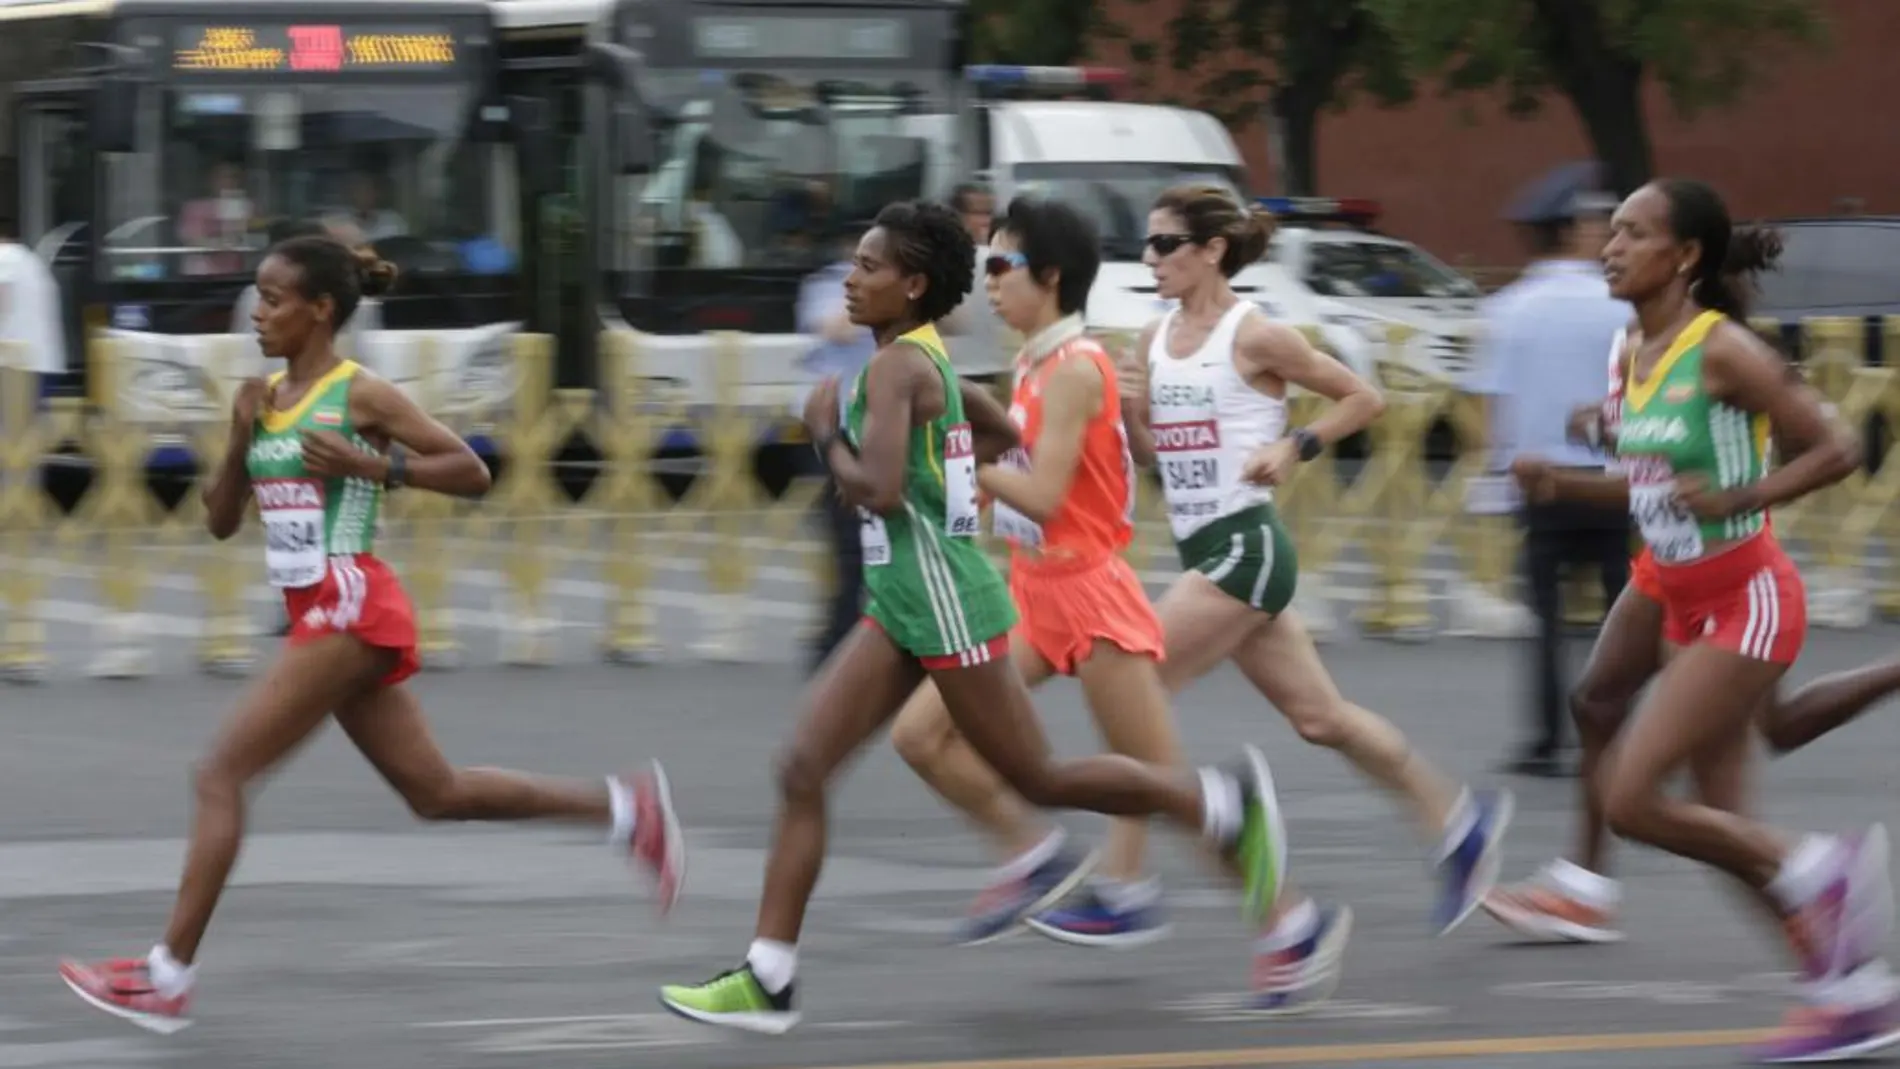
1065,502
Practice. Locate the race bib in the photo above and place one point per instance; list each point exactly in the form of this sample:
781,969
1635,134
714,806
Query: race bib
962,515
1006,521
1189,456
295,555
873,539
1671,531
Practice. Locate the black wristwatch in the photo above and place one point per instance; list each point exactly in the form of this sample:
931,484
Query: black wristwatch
393,479
1309,443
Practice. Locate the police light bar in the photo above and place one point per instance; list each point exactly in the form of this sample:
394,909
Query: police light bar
1046,83
1354,210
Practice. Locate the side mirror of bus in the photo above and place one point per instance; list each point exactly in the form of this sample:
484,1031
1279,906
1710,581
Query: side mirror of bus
617,69
531,123
115,115
633,138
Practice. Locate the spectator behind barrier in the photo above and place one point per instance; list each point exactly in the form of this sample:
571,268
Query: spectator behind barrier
976,338
32,335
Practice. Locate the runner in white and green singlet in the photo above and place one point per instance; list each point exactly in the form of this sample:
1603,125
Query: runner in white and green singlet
315,446
907,458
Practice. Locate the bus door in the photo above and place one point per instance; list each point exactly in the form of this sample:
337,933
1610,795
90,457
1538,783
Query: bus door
54,153
559,245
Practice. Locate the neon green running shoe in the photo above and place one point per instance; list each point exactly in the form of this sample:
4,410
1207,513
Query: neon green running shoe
1260,848
733,999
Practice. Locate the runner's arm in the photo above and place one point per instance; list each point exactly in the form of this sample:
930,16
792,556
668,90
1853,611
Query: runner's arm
439,460
1268,348
1741,370
1072,397
1604,490
229,491
873,476
1131,377
990,425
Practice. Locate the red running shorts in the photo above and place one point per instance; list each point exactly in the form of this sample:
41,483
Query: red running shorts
358,595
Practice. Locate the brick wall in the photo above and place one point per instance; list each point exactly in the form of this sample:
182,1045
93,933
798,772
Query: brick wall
1807,135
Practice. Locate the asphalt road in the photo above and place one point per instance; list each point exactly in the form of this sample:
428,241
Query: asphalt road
355,937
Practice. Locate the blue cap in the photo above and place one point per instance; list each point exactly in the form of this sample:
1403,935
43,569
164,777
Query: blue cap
1562,194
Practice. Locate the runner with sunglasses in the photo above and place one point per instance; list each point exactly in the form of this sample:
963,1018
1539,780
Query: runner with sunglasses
1206,403
907,456
1219,417
1064,500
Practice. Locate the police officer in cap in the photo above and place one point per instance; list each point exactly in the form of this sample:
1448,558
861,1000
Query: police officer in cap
1548,338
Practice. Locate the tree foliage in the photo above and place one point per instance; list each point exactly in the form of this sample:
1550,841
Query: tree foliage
1254,51
1598,53
1037,32
1244,60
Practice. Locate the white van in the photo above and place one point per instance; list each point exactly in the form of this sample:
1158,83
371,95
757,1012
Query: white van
1109,158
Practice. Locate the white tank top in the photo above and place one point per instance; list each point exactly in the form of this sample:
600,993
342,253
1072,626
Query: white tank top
1206,419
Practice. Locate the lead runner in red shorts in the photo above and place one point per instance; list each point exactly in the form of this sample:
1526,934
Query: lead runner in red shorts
1704,397
312,450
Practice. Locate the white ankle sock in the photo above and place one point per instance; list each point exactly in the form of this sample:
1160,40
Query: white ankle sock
1220,805
773,963
1030,860
1126,896
620,798
1582,885
170,976
1295,926
1805,871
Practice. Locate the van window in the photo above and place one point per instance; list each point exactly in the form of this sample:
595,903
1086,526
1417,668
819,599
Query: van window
1117,195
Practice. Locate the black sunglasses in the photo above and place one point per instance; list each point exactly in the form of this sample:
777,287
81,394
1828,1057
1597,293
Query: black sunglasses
1165,244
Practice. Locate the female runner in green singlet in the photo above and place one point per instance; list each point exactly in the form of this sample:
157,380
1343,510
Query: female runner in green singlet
1702,395
314,448
907,457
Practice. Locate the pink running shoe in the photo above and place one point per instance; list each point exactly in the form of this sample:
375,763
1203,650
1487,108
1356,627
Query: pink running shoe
123,988
658,843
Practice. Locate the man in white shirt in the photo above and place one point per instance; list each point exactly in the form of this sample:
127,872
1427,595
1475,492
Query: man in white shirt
32,336
1546,348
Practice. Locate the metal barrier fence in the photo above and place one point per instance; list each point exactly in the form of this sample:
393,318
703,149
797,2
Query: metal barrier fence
1398,519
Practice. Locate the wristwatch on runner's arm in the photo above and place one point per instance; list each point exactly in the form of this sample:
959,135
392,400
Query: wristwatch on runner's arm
1309,443
393,478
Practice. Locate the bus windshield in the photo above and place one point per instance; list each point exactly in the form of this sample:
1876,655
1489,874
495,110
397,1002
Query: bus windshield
774,132
390,165
757,166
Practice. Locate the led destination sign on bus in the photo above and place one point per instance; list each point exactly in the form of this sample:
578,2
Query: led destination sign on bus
800,37
313,48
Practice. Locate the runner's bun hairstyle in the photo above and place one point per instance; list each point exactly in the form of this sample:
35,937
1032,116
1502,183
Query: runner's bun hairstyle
375,275
1210,211
1731,255
334,270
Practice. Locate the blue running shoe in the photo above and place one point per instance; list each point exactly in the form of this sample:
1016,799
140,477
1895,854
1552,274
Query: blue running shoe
1002,906
1468,869
1297,978
1087,920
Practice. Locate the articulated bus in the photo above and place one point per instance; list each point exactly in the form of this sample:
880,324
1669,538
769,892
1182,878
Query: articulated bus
148,147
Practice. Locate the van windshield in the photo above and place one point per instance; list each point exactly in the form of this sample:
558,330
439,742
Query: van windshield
1118,194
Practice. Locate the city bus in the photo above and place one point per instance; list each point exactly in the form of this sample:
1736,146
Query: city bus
710,154
148,148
